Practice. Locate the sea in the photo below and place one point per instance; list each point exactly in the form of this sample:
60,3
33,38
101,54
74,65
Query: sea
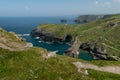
24,26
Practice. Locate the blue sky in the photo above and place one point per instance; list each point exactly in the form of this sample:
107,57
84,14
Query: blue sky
57,7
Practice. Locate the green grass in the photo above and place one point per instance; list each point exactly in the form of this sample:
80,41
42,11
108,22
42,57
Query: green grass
29,65
105,63
98,75
99,31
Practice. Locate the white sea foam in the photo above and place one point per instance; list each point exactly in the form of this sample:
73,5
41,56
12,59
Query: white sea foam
23,34
39,41
37,37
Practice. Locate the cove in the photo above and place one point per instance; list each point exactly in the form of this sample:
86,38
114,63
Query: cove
24,25
85,56
60,47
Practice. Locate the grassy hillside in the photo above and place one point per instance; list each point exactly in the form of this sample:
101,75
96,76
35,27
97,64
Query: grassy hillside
105,32
29,64
12,42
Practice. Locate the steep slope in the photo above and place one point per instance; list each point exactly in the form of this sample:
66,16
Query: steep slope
101,38
12,42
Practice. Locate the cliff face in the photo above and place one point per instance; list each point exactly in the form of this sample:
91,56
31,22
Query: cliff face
100,38
54,33
74,50
45,36
98,51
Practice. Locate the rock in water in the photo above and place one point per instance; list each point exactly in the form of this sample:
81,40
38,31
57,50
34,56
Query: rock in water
49,55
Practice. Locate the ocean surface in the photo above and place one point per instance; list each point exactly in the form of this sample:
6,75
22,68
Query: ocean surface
24,25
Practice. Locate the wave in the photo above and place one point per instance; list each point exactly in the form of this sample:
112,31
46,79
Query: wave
23,34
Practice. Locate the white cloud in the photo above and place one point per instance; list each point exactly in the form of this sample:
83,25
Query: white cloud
96,2
117,1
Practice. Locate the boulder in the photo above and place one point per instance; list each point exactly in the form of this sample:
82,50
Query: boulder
49,55
81,68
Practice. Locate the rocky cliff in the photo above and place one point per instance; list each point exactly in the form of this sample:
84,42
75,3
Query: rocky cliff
74,50
46,36
100,38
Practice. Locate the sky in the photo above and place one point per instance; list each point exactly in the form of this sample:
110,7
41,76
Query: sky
57,7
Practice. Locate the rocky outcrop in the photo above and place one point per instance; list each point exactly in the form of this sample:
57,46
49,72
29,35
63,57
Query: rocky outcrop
74,50
98,51
49,55
49,37
45,36
28,45
81,68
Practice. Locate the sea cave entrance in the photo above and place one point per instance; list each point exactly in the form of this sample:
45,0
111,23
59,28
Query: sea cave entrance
68,38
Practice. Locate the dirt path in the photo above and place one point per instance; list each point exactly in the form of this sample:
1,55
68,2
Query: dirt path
111,69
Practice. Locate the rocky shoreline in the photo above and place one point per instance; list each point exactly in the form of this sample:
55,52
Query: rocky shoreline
98,52
45,36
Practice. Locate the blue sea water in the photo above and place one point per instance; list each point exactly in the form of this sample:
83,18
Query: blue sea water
24,25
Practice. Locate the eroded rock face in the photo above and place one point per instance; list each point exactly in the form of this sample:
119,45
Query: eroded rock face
45,36
98,52
74,50
49,37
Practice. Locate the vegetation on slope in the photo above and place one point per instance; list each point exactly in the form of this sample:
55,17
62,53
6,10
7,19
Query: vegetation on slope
104,32
29,65
12,42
